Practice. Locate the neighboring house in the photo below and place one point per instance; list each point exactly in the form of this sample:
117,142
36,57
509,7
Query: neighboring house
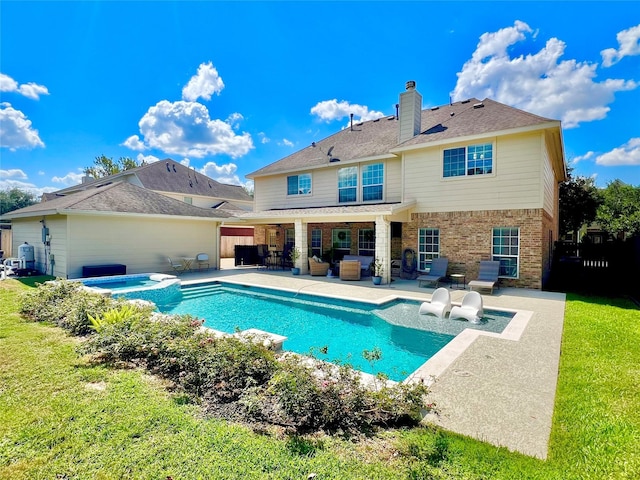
473,180
117,223
174,180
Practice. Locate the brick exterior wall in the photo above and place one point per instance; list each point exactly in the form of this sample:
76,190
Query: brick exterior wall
466,237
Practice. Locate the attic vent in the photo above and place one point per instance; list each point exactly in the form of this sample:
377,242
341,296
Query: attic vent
452,114
465,101
376,120
391,117
174,167
434,108
478,105
209,184
190,183
358,124
333,159
168,169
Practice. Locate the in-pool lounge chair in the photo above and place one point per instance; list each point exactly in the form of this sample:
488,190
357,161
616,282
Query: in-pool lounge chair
487,277
471,308
438,272
439,305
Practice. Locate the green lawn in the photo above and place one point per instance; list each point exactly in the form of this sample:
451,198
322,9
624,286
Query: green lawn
62,418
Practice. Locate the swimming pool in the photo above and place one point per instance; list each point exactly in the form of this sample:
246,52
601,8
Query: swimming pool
347,328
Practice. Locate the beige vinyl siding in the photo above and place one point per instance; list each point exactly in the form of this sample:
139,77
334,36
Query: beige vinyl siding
142,244
550,185
30,231
271,192
514,184
58,230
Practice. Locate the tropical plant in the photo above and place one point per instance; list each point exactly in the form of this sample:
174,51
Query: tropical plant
377,267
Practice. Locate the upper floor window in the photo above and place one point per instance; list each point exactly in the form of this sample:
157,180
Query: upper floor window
428,247
347,184
471,160
372,182
299,184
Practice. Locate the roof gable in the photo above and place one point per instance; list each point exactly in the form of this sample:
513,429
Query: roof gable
122,198
379,138
167,176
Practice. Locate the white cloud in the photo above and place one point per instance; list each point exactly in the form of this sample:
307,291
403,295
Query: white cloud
185,128
185,161
13,173
71,178
329,110
202,85
263,138
627,154
134,143
587,156
629,43
222,173
538,82
26,187
286,143
29,90
146,158
15,129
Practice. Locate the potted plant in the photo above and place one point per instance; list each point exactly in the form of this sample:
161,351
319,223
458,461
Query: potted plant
378,270
295,255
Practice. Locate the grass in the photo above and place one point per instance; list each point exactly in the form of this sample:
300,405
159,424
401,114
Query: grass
63,418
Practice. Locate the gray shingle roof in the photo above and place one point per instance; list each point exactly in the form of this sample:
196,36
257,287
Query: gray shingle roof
121,197
379,137
170,176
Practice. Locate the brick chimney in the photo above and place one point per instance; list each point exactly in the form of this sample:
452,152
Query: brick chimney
410,115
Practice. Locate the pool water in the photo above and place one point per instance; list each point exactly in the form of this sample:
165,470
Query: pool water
310,323
123,284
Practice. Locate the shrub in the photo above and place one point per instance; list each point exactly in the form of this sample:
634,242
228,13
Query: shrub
65,303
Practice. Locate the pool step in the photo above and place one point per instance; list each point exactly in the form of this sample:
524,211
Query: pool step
201,291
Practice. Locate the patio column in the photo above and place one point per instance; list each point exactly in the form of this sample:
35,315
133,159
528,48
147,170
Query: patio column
302,245
383,246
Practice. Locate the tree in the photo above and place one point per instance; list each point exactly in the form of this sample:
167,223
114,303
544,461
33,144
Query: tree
579,201
14,198
104,166
619,213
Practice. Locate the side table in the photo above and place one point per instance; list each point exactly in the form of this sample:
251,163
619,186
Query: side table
457,278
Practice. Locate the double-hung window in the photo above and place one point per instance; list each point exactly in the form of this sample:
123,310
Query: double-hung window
316,242
341,240
299,184
347,184
366,242
428,247
506,250
470,160
372,182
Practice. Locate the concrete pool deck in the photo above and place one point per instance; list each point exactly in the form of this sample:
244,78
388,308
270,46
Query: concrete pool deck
498,389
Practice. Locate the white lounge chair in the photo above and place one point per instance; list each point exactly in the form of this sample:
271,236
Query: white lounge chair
439,305
487,277
438,272
470,309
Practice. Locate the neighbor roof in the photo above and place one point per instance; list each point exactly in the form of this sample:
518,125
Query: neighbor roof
168,176
120,198
379,138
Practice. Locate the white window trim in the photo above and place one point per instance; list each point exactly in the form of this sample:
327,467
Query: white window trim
435,254
517,257
465,176
357,186
298,175
362,185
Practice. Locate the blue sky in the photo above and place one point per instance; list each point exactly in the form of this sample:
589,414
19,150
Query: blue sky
228,87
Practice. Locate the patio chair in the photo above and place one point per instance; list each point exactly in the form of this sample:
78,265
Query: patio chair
440,304
178,267
202,259
487,277
470,309
438,272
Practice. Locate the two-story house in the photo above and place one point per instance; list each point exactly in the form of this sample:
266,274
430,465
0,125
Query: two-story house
471,180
